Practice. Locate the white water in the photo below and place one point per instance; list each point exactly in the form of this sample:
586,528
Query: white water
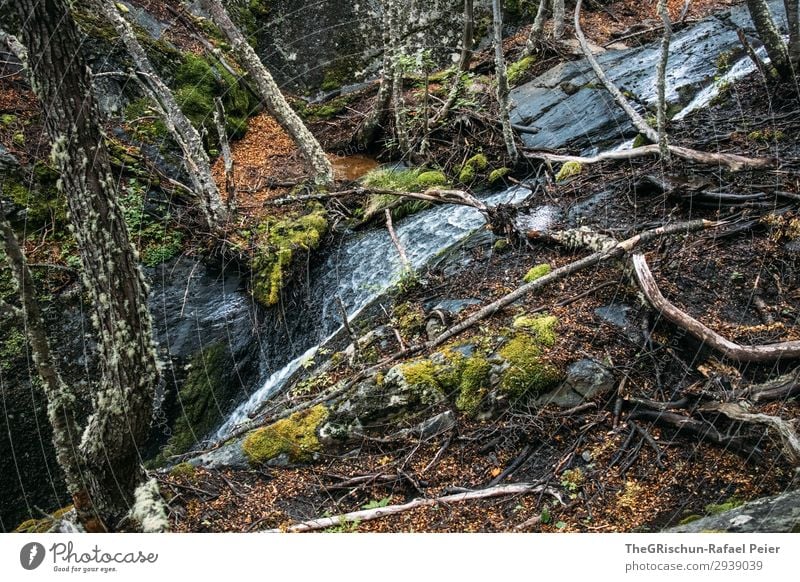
366,265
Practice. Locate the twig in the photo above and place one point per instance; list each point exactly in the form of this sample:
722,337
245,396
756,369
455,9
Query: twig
396,241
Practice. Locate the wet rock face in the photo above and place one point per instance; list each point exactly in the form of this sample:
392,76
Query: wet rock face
778,514
568,106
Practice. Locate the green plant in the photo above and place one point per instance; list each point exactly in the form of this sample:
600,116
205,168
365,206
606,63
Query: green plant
377,503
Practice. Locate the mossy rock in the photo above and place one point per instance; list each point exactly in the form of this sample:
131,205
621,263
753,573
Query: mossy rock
36,189
474,385
185,471
295,436
568,170
44,524
498,174
517,70
472,167
280,243
537,272
528,372
716,508
198,399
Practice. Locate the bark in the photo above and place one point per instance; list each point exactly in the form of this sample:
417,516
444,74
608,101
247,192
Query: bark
537,30
770,36
60,401
558,18
271,95
502,81
188,139
637,120
227,156
793,18
467,36
729,349
123,400
395,18
661,75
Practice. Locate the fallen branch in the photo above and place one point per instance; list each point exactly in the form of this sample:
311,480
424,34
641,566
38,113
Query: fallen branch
734,162
396,241
790,443
370,514
763,353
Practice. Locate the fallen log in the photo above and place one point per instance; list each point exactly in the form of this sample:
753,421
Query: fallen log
734,351
370,514
733,162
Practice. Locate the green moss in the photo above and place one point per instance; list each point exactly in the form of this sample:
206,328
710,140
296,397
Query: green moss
537,272
715,508
431,178
43,525
689,519
35,189
568,170
198,406
409,319
766,135
403,179
12,345
501,245
474,385
185,471
517,70
471,167
639,141
541,327
280,242
527,372
7,119
421,374
18,139
295,437
498,174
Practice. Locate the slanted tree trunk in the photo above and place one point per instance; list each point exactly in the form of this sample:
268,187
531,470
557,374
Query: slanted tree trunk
188,139
271,95
770,36
60,401
123,400
502,81
227,155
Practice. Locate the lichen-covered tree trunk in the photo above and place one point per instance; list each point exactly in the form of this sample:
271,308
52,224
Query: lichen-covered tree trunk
394,8
502,81
188,139
661,76
60,401
123,401
369,128
467,36
271,95
770,36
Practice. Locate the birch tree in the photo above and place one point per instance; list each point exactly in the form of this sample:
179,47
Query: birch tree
122,402
271,95
785,58
536,34
195,158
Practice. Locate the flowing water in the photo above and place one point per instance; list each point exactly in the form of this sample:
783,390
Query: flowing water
365,265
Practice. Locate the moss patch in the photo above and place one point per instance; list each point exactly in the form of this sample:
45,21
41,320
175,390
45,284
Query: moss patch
568,170
279,243
541,327
517,70
35,189
715,508
400,180
295,437
472,167
527,373
42,525
498,174
474,385
537,272
185,471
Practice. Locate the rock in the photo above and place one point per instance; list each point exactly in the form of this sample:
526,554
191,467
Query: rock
585,380
436,425
777,514
7,159
229,456
590,209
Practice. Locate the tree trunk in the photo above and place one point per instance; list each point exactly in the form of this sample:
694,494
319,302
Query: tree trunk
793,18
271,95
195,157
558,18
227,155
123,401
395,18
770,36
369,128
467,36
502,81
537,30
661,76
60,401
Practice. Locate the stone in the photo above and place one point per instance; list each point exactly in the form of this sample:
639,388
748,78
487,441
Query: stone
585,380
436,425
776,514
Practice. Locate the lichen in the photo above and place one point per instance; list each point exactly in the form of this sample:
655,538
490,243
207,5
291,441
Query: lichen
527,372
280,243
295,436
149,509
568,170
537,272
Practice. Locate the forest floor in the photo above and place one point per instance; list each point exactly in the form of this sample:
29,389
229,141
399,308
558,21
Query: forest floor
611,478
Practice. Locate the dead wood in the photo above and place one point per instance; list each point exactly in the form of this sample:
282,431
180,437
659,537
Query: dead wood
370,514
762,353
